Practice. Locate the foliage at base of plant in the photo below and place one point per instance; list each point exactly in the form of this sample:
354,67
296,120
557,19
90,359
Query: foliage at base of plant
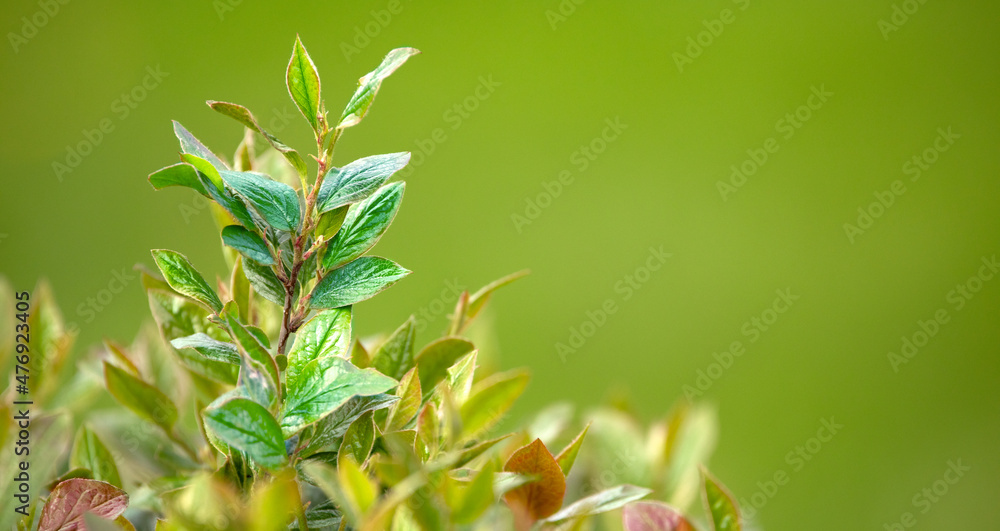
253,404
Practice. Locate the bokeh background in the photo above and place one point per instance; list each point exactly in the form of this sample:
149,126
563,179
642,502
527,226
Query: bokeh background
536,85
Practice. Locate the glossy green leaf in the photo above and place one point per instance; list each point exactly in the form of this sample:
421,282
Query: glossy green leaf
250,345
490,399
248,243
190,144
602,502
303,84
368,86
256,384
359,439
245,424
183,277
209,347
265,282
408,406
90,453
335,425
328,333
358,180
394,357
437,357
324,385
276,202
143,399
567,457
179,174
72,499
322,516
653,516
357,281
244,116
364,224
720,504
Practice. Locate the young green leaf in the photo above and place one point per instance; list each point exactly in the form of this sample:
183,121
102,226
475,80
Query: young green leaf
90,453
478,299
567,457
179,174
190,144
239,289
437,357
245,424
143,399
248,243
602,502
357,281
477,497
394,357
410,396
364,224
244,116
368,86
541,498
328,333
276,202
720,504
358,180
303,84
428,432
490,399
359,439
72,499
183,277
335,425
264,281
330,222
653,516
323,386
460,377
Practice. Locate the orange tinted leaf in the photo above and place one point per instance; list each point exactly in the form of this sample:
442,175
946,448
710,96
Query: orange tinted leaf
541,498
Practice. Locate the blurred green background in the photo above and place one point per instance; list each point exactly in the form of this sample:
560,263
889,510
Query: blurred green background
557,74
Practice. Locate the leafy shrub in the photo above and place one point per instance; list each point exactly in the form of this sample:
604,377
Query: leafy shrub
251,405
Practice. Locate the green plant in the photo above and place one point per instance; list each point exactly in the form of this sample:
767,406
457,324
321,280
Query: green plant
280,418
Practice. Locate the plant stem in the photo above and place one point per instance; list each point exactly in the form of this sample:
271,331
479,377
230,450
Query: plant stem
300,515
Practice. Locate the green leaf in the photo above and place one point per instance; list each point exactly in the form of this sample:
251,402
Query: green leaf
653,516
239,287
244,116
436,358
276,202
334,425
394,357
368,86
357,281
364,224
359,439
209,347
143,399
330,222
179,174
74,498
303,84
328,333
477,497
180,317
265,281
490,399
478,299
358,180
183,277
250,244
190,144
406,408
322,516
246,425
567,457
256,384
90,453
323,386
460,377
250,345
602,502
720,504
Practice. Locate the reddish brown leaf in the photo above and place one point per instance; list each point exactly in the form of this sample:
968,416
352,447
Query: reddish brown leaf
542,497
653,516
73,498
